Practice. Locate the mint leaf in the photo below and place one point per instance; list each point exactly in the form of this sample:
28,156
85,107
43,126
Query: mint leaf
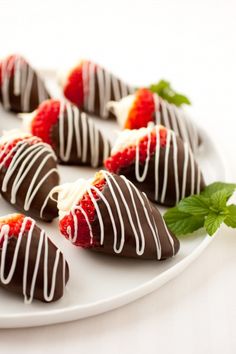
209,209
164,90
213,222
194,205
218,186
181,223
230,219
178,99
160,86
218,200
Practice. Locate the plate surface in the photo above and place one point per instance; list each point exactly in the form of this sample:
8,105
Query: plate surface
100,283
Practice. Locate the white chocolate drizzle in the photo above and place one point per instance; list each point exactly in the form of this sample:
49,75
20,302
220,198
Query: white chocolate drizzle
166,114
98,82
48,294
24,156
176,119
138,202
23,76
171,141
82,129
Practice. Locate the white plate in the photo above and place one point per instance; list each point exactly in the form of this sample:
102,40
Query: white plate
100,283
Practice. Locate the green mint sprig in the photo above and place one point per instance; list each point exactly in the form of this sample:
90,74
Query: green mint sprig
209,209
164,89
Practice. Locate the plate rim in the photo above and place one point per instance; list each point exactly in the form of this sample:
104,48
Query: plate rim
76,312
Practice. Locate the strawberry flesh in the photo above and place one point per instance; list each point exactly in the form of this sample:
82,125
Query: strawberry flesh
142,111
83,237
14,222
127,156
46,116
73,88
9,63
8,149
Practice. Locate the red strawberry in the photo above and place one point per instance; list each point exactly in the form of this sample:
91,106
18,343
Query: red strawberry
74,137
21,88
73,87
9,63
28,172
109,215
134,111
164,168
142,111
90,87
30,264
126,156
14,222
45,117
138,110
87,205
8,149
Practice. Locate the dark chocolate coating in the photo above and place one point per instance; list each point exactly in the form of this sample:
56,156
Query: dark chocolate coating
148,185
180,120
74,159
129,249
50,211
34,101
126,90
16,284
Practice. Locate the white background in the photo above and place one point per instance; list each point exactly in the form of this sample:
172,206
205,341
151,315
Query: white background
193,44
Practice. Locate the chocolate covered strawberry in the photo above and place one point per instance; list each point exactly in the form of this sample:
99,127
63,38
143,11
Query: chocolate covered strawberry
109,214
74,137
158,162
30,264
21,87
144,106
28,172
90,87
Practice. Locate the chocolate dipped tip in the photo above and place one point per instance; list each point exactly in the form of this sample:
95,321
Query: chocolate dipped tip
74,137
30,264
91,87
158,162
28,172
109,214
21,87
138,110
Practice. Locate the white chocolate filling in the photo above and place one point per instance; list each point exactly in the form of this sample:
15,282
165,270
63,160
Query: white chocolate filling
130,137
9,135
121,109
69,195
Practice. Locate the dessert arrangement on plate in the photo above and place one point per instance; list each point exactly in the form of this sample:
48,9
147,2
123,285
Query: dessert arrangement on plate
152,163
